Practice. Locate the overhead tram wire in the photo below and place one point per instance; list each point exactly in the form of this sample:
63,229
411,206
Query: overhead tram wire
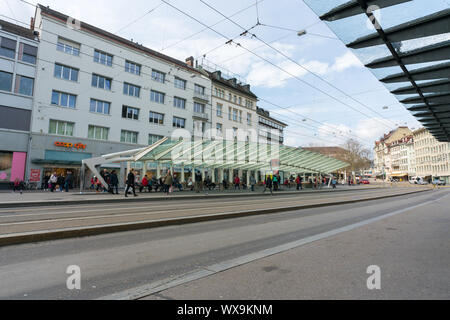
47,105
262,58
302,124
213,25
295,62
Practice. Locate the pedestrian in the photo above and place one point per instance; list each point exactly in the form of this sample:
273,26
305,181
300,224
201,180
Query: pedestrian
333,183
237,183
114,180
68,183
168,181
60,181
53,180
144,184
45,181
297,181
252,182
198,181
190,184
275,182
130,183
268,184
18,185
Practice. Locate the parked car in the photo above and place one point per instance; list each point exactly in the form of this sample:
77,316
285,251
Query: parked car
365,181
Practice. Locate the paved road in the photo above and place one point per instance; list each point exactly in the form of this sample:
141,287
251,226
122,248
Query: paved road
117,262
45,218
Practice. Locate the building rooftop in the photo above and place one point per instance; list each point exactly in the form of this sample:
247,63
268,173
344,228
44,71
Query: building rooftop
46,11
17,30
231,83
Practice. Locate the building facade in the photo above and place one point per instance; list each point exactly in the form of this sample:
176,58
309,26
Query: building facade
270,130
432,157
99,93
18,52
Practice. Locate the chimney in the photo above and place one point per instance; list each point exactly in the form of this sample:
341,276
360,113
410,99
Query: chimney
246,87
233,81
190,61
32,24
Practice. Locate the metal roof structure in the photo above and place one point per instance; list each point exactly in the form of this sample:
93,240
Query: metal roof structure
406,44
223,154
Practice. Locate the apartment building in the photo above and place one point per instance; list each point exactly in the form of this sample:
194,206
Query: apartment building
233,108
403,158
270,130
18,57
99,93
432,157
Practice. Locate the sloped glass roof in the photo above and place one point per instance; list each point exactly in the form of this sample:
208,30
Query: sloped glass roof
405,43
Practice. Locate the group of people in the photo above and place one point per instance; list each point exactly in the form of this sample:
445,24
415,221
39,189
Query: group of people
51,182
166,183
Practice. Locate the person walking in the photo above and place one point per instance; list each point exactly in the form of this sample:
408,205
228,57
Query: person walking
268,184
275,182
168,181
130,183
18,185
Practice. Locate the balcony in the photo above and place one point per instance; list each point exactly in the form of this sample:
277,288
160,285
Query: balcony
201,97
200,115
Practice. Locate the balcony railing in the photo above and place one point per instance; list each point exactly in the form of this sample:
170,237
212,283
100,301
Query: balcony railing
201,96
201,115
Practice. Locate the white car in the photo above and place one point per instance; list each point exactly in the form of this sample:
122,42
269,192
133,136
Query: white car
438,182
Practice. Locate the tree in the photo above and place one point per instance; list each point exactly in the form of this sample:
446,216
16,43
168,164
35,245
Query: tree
356,155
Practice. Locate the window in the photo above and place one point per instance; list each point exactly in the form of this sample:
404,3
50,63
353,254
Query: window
179,103
130,113
132,67
234,98
61,127
229,113
158,76
249,119
235,115
99,133
240,100
153,138
179,122
27,53
240,116
199,107
157,96
98,106
219,128
64,99
65,72
229,96
199,89
103,58
24,85
101,82
128,136
131,90
180,83
155,117
68,46
7,47
6,81
219,110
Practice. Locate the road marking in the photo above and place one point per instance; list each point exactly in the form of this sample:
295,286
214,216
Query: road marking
161,285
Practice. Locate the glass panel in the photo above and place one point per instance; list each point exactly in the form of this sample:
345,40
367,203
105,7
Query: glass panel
52,127
60,128
101,82
69,129
94,80
99,107
74,75
66,73
55,97
107,84
64,99
58,71
106,107
93,105
5,81
72,101
91,130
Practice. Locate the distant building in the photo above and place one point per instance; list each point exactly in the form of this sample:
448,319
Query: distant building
18,58
431,156
269,129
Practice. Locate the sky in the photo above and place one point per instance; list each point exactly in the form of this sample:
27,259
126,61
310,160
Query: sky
357,106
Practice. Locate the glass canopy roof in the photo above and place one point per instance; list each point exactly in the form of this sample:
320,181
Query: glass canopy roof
223,154
406,44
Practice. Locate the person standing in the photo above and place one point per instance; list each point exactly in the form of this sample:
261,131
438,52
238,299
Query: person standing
144,184
60,181
53,180
198,181
275,182
45,181
252,182
114,182
168,181
68,183
237,182
130,183
297,181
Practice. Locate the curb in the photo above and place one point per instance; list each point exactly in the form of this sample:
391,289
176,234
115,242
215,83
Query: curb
20,238
170,198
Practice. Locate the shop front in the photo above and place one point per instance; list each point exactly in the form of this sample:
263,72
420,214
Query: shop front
12,167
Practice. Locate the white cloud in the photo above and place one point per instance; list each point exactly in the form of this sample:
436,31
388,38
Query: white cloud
346,61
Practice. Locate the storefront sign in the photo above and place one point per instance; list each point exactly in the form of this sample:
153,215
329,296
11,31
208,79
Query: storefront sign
70,145
35,175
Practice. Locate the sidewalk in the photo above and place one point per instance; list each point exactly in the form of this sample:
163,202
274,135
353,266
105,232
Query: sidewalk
40,198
